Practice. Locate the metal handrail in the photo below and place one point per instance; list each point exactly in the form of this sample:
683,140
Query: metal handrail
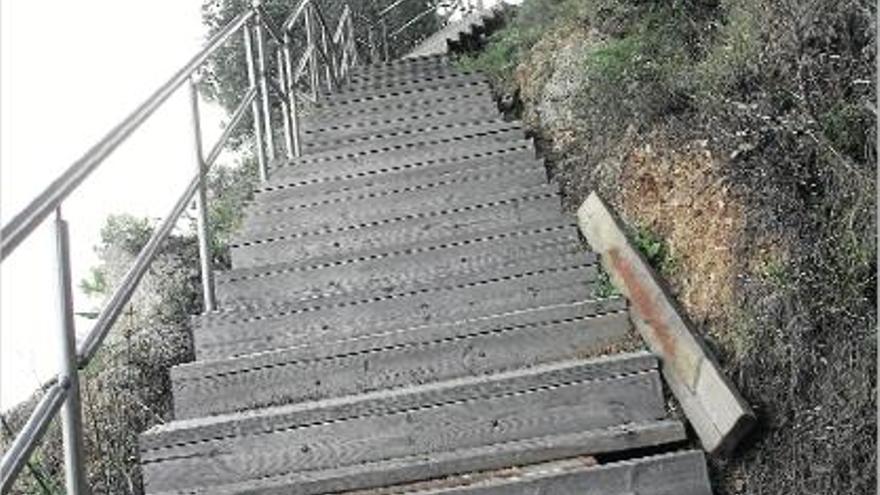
62,393
23,224
338,52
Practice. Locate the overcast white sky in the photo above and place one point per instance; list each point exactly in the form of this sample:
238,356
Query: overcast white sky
69,71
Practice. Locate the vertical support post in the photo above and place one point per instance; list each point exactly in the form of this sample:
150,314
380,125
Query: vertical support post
313,57
292,104
374,51
385,52
352,46
71,414
285,97
262,74
255,106
204,231
330,62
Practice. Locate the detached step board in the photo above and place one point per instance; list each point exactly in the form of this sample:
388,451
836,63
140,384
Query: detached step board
618,400
397,358
677,473
535,282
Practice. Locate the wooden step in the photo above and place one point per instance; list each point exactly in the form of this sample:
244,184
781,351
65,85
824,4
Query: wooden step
415,82
387,268
676,473
315,138
468,142
400,97
380,111
399,65
283,210
481,215
446,417
330,186
377,80
258,328
393,359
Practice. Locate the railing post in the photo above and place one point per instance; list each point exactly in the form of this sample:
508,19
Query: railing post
385,52
292,105
71,414
313,58
264,85
204,228
255,106
330,61
285,114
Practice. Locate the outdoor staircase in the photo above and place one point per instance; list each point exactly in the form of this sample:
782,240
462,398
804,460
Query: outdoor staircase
410,311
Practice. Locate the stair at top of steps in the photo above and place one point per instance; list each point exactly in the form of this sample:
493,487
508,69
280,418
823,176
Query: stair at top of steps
302,236
431,352
606,403
264,326
438,43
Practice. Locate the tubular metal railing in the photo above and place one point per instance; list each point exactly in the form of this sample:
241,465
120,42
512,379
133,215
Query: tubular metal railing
330,55
384,39
301,69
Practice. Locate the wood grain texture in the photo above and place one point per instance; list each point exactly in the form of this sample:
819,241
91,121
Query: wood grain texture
467,413
395,359
720,416
678,473
504,209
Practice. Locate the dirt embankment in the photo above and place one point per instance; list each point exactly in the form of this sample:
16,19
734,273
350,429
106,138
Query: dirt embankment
736,138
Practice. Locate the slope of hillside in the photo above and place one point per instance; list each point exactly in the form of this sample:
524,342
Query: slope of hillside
737,139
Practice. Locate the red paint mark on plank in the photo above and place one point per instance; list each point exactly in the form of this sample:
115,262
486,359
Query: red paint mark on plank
642,301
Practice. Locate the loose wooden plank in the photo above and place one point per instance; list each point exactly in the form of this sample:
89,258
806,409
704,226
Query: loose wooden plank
677,473
555,399
718,413
414,468
393,359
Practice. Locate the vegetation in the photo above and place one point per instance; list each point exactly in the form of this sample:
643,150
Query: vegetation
739,135
126,388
